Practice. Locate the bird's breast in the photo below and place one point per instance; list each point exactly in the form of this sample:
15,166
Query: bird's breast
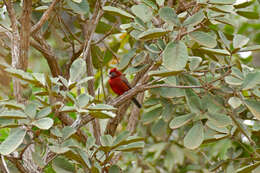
118,86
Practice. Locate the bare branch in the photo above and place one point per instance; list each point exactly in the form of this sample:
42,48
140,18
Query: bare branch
15,46
25,33
90,27
4,165
134,116
48,53
44,17
17,164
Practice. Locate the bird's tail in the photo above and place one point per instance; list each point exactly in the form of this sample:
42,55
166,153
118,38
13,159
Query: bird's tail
136,103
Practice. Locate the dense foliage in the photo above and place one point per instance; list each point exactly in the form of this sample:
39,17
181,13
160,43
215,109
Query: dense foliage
192,65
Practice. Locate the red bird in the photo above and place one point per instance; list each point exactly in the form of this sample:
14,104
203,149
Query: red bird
119,84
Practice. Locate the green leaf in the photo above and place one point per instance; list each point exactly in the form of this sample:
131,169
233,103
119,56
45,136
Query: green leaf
20,74
143,12
79,8
243,4
248,168
62,165
248,14
128,140
254,107
163,73
114,169
30,110
222,2
84,80
224,39
195,136
233,80
222,8
102,114
12,142
212,125
203,39
12,115
151,115
251,80
117,11
77,70
234,102
139,59
250,48
44,123
151,4
106,140
239,41
126,59
159,129
121,137
219,120
175,56
83,99
193,101
195,19
194,62
215,51
59,149
152,33
131,147
99,107
40,78
67,132
168,15
43,112
12,104
160,2
181,120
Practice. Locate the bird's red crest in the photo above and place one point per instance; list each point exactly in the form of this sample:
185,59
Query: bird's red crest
116,71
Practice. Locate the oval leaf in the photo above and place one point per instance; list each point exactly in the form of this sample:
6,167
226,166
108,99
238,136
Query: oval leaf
77,69
181,120
117,11
143,12
169,16
43,112
219,120
12,115
195,136
12,142
175,56
235,102
44,123
203,39
240,41
194,19
152,33
30,110
254,107
251,80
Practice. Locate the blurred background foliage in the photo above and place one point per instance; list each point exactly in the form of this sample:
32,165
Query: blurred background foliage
209,46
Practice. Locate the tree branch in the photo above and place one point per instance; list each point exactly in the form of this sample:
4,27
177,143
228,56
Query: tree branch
25,33
45,17
90,27
42,46
3,164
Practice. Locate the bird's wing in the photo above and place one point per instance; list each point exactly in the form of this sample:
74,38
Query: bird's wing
124,79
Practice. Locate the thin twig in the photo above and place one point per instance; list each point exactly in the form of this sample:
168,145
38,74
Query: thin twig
91,27
3,163
234,119
44,17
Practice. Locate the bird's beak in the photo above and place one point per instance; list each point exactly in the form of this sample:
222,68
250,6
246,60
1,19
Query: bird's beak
109,75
